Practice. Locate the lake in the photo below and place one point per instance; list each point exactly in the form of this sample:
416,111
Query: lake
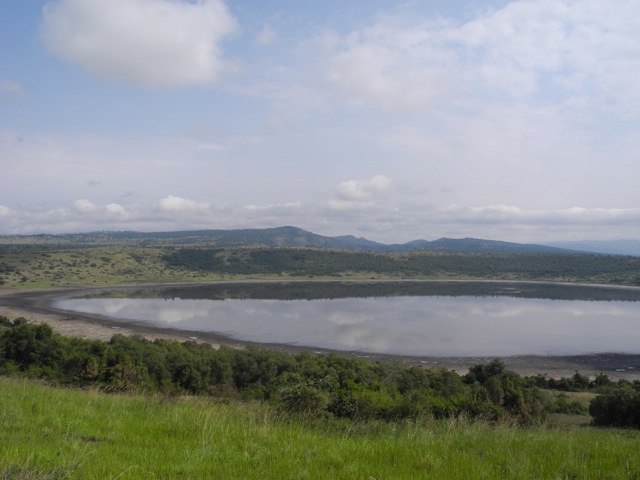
404,318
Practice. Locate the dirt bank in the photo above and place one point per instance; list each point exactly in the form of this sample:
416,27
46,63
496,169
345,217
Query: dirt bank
36,306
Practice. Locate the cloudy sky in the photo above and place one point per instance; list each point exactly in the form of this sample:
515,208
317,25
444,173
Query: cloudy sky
393,120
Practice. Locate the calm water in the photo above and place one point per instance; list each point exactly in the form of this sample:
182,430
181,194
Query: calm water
502,322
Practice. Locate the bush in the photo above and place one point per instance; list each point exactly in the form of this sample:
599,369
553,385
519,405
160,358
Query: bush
618,409
562,404
303,399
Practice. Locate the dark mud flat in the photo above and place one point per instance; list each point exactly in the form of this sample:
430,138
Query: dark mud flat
37,306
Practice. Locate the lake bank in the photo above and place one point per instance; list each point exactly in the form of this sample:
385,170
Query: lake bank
37,307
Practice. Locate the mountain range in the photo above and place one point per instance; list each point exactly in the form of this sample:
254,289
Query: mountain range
297,237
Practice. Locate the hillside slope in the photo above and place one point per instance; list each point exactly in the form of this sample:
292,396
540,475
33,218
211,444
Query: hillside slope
288,236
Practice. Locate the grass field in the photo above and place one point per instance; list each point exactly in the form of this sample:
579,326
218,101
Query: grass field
55,433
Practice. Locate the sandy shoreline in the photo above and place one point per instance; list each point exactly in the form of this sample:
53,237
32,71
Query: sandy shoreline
35,306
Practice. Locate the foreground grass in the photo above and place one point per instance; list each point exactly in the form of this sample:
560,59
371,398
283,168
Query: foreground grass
50,433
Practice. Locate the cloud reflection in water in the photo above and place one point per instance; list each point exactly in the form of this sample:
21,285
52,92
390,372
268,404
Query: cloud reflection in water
429,325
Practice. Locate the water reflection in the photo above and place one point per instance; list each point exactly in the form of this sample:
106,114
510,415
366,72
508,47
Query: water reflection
410,325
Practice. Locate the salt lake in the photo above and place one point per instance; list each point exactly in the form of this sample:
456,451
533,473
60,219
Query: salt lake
403,318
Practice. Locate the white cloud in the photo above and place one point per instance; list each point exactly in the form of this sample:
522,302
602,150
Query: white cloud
562,51
362,190
142,42
4,211
512,215
514,114
347,206
116,209
172,203
355,197
85,206
97,213
377,67
281,208
385,223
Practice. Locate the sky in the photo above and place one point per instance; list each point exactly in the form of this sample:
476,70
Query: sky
390,120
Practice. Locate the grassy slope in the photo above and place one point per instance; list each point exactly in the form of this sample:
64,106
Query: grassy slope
95,266
48,266
47,432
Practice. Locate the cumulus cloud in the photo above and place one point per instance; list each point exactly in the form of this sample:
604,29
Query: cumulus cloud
361,190
142,42
359,195
88,208
172,203
115,209
85,206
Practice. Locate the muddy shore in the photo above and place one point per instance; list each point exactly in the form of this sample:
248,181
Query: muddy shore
36,306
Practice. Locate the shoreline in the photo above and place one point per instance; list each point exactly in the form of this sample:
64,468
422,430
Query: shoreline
36,306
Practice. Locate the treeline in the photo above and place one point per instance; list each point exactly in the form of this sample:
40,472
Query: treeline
305,384
317,262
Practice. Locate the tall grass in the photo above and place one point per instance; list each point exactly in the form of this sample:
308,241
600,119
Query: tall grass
52,433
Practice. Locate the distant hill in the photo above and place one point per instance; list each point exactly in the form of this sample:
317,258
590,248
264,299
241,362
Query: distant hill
476,245
610,247
278,237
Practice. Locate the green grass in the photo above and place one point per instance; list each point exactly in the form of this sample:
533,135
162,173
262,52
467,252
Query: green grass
94,266
52,433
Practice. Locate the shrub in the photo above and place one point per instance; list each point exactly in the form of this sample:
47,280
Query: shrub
618,409
303,399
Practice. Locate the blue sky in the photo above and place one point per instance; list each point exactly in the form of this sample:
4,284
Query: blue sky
512,120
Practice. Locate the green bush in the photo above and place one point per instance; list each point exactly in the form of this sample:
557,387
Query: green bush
618,409
305,384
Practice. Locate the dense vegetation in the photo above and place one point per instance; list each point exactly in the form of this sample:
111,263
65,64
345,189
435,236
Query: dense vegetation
305,384
309,262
